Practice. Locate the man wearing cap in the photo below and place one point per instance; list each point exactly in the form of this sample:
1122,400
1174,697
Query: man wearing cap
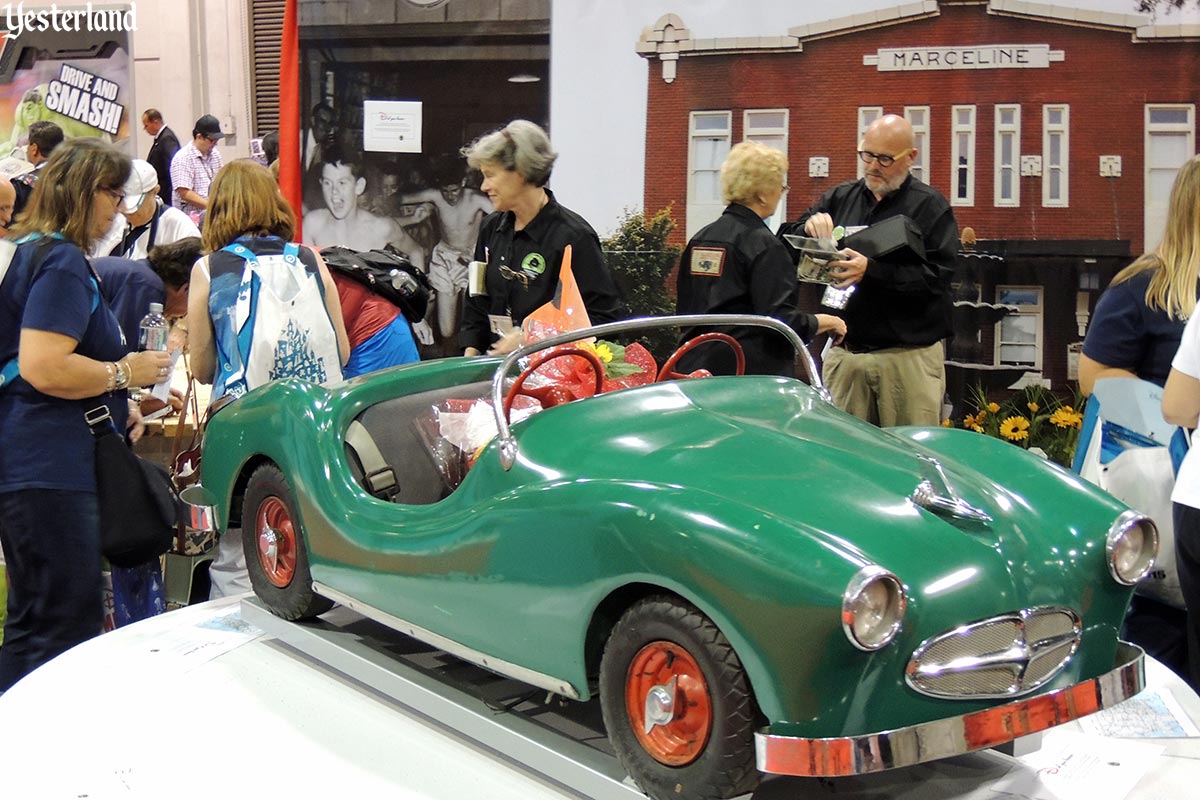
194,166
145,220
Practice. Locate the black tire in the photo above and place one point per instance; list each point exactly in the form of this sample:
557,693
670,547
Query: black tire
723,764
284,583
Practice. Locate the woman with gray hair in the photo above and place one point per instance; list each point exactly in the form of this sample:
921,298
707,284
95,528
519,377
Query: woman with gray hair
735,265
522,242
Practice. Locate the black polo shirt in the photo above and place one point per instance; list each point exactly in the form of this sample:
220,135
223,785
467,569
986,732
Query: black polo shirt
735,265
532,258
895,305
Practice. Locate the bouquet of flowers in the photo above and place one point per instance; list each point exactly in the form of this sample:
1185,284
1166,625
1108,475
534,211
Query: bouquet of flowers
624,367
456,431
1034,419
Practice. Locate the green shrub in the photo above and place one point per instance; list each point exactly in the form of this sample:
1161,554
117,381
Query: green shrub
641,260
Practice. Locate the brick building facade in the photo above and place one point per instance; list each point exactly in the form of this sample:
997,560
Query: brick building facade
1054,132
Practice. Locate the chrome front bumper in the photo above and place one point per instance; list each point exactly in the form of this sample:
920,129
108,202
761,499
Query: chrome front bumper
943,738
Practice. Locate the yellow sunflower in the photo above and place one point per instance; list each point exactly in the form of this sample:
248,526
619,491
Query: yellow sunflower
1066,417
1015,428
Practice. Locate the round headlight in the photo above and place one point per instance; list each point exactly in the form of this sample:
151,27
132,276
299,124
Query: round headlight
1131,547
873,608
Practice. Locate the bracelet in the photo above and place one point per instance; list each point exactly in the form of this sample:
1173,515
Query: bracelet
111,382
123,375
181,326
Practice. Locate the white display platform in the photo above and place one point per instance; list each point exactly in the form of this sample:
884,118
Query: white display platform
198,703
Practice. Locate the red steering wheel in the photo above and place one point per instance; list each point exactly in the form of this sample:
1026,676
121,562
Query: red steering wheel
552,395
668,373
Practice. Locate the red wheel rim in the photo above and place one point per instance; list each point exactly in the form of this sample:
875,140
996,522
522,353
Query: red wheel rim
276,539
681,735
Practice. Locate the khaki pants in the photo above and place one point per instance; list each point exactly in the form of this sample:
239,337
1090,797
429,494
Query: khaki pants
892,386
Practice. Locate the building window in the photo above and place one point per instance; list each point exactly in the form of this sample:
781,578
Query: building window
1007,190
769,127
918,117
866,115
1056,150
962,156
710,133
1170,141
1089,279
1019,334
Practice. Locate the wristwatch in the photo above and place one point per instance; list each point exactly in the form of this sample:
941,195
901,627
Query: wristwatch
122,376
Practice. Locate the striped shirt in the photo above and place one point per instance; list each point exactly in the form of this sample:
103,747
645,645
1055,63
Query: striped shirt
191,170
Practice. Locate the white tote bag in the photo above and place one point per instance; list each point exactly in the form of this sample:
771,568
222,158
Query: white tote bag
292,335
1140,476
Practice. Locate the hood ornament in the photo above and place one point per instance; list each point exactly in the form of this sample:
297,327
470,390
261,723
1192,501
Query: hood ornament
935,494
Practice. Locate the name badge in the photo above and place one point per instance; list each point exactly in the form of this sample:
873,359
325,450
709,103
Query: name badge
500,324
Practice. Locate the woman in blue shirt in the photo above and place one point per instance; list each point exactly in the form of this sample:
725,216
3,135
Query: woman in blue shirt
71,357
1135,331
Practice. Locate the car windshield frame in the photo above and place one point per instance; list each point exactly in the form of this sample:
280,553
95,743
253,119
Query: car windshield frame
508,444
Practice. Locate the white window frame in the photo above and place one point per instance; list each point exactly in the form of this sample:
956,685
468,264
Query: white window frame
758,134
1036,311
1061,131
1154,205
701,212
1010,132
866,115
921,140
956,130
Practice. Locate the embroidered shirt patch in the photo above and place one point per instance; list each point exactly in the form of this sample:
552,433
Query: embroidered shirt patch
707,261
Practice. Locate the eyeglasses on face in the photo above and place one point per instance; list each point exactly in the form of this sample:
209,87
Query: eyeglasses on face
884,160
115,194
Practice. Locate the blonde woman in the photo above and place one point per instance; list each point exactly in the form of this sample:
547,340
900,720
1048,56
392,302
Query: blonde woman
1140,317
1135,333
735,265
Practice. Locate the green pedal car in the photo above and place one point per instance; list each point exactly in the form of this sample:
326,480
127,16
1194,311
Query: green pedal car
751,580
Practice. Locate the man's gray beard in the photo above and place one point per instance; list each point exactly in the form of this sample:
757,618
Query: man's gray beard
887,187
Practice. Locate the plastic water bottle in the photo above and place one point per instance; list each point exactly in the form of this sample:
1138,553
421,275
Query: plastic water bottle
152,333
404,283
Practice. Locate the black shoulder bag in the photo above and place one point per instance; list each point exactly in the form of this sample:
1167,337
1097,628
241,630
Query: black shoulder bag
387,273
139,505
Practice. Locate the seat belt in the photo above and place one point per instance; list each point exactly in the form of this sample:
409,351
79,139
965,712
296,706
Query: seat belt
377,475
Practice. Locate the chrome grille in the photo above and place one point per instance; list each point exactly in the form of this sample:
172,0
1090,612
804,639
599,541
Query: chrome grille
1001,656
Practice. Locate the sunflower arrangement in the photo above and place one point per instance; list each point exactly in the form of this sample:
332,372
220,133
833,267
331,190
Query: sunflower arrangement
1034,418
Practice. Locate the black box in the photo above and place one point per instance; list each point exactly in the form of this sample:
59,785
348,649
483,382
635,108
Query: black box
894,239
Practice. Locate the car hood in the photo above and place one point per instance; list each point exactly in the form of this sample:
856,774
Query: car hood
783,463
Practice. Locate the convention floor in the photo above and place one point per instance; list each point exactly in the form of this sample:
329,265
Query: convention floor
200,703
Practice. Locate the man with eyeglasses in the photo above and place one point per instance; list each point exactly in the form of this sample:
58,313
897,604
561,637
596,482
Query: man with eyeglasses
890,370
194,167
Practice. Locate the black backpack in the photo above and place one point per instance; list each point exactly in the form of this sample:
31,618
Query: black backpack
387,273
